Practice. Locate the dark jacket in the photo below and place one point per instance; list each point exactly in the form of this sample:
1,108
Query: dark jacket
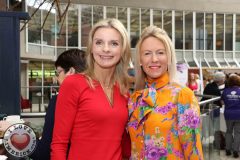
212,89
42,151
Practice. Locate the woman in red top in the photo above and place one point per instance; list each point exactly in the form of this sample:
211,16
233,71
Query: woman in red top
91,111
192,82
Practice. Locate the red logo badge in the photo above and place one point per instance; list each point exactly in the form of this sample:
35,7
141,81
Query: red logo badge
19,140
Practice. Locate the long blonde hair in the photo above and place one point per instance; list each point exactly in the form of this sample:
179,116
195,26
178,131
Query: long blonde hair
120,75
161,35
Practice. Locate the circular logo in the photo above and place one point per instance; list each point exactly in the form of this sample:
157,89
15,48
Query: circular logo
19,140
233,92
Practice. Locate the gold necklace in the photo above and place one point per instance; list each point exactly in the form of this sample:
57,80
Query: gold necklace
105,86
106,90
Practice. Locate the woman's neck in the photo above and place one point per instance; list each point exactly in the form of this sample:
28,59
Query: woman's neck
105,77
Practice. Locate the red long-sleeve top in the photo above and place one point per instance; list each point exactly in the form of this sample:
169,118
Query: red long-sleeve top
85,119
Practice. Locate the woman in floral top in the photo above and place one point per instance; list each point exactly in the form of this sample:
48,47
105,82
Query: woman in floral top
164,122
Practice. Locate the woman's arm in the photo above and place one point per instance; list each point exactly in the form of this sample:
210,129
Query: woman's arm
66,110
189,125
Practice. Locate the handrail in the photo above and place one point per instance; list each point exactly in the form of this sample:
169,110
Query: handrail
33,115
205,95
39,86
209,100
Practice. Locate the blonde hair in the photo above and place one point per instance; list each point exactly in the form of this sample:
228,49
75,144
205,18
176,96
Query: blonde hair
120,75
161,35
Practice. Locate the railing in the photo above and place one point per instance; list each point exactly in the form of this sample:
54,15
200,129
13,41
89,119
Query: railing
210,118
33,115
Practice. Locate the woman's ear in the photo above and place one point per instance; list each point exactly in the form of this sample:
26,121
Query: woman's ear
72,71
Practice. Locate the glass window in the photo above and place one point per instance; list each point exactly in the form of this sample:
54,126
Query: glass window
135,28
122,15
35,70
219,31
229,33
73,26
188,30
49,25
34,25
111,12
157,18
145,18
97,13
199,31
167,22
35,74
209,31
61,28
41,78
237,33
86,24
179,30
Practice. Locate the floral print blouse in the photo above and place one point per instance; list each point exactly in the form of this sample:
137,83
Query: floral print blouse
164,122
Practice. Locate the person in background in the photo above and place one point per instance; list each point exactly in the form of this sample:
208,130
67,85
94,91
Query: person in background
164,117
192,82
231,99
215,88
94,104
68,63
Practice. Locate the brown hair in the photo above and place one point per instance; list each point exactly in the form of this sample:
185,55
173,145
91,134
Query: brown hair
233,80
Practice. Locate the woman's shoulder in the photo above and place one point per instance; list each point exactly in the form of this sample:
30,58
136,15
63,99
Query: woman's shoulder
76,76
184,95
182,88
77,79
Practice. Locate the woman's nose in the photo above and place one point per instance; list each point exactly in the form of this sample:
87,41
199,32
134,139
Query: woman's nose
154,57
105,48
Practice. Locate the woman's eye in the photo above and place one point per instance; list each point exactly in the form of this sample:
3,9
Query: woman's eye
147,53
114,44
160,52
98,42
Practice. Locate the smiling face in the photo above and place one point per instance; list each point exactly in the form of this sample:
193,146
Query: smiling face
153,57
106,48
